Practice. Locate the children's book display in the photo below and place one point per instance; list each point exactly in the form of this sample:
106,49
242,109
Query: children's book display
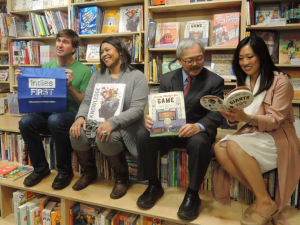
239,98
16,173
167,111
198,29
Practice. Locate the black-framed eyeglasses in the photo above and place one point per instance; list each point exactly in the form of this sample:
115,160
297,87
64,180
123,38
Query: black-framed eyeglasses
199,59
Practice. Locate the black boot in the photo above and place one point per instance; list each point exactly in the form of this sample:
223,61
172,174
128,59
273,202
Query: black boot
119,164
88,169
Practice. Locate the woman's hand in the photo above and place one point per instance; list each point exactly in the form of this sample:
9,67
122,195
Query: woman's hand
104,127
76,127
148,123
235,115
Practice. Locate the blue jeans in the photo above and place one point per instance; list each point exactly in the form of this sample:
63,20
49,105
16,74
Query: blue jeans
58,125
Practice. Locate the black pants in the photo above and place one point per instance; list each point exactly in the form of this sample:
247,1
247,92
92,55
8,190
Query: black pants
198,148
56,124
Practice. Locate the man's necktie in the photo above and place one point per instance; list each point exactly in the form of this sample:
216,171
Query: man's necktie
189,79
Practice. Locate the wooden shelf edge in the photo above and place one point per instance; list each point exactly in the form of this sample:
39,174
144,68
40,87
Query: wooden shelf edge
108,3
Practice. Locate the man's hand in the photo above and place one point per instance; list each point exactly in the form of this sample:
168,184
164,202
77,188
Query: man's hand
18,72
104,127
70,77
75,128
188,130
148,123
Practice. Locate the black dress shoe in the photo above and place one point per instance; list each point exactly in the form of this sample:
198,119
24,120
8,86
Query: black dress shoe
34,178
62,180
150,196
189,208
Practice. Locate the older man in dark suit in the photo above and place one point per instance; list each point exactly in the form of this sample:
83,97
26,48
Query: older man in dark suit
197,136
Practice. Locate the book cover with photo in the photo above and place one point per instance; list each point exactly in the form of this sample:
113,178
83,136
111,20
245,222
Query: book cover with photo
239,97
289,46
131,18
167,35
198,29
221,65
226,29
107,101
167,111
271,39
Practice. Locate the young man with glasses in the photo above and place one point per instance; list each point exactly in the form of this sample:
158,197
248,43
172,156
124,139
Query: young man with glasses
197,136
56,124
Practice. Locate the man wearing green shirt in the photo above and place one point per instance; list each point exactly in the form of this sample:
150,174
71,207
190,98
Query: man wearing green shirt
57,124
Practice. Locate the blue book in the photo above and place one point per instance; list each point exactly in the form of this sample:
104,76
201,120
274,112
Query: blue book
88,23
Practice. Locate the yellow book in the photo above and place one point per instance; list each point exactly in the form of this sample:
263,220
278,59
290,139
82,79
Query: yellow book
56,218
154,71
111,21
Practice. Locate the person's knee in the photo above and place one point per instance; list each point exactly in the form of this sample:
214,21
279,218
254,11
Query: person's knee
111,147
25,123
54,121
233,149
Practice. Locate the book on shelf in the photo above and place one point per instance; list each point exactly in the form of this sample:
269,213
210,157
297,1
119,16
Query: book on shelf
131,18
93,53
289,47
296,86
19,172
151,29
4,75
167,35
6,169
47,53
159,2
239,97
198,29
167,111
89,24
226,29
81,53
107,101
111,21
166,59
221,65
23,27
264,12
271,39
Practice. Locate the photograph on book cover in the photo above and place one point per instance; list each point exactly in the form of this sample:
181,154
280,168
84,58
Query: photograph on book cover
263,13
167,111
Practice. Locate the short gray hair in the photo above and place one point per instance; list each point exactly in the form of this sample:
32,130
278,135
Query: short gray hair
188,43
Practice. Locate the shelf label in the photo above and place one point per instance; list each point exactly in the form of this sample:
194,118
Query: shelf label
277,22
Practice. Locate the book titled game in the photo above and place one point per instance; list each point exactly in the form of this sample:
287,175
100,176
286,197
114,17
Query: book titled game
167,35
198,29
226,29
107,101
239,98
289,47
167,111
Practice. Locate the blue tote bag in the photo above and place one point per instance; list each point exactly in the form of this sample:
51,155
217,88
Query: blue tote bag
42,90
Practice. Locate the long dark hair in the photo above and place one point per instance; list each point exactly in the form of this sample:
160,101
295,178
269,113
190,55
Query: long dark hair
267,66
122,50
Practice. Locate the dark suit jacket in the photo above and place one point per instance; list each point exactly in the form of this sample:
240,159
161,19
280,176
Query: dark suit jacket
206,83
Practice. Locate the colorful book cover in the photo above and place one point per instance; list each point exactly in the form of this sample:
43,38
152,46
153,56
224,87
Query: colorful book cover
19,172
167,111
56,218
263,13
131,18
271,39
221,65
111,21
159,2
93,53
198,29
226,29
6,169
88,23
151,29
166,59
289,46
82,53
107,101
167,35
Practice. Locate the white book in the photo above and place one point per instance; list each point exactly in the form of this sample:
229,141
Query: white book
198,29
164,170
34,216
93,53
107,101
47,212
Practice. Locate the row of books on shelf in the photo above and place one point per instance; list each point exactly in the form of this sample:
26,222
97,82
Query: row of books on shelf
263,13
170,2
93,20
36,24
36,4
284,46
225,32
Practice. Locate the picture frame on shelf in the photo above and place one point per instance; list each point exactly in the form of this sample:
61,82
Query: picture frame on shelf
264,12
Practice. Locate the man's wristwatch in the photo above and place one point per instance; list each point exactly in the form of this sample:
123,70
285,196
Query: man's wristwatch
251,120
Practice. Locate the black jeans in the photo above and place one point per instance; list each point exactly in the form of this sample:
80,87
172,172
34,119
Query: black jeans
58,125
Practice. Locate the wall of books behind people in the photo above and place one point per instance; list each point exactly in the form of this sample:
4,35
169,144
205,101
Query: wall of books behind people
218,24
32,26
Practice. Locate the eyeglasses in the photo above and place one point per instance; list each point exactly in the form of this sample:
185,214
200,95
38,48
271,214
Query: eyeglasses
199,59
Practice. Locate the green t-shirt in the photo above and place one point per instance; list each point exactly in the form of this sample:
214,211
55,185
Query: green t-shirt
82,75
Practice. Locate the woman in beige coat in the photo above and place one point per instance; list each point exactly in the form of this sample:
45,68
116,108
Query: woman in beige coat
267,140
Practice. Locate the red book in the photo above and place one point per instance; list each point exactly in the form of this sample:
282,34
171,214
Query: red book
251,7
6,169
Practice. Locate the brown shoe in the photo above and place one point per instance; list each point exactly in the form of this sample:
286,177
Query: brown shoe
120,189
85,179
